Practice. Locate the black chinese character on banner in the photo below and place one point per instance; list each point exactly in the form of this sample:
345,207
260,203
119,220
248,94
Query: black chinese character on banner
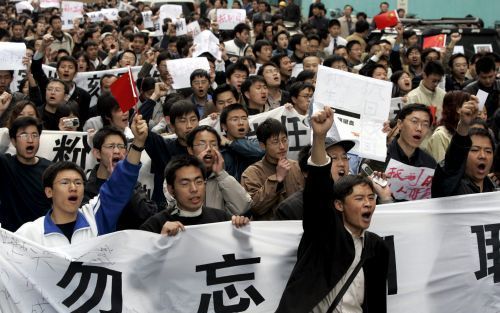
494,255
86,272
212,279
66,150
392,274
295,132
93,85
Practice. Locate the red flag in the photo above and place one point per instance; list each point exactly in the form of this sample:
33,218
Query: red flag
387,19
438,41
123,89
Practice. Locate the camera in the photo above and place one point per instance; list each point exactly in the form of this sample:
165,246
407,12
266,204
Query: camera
71,122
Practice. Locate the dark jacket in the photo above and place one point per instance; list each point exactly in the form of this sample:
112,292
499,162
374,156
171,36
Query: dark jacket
138,209
326,251
292,208
449,178
240,154
493,101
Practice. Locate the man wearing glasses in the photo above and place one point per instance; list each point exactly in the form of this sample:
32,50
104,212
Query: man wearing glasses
274,178
200,82
68,222
109,148
21,196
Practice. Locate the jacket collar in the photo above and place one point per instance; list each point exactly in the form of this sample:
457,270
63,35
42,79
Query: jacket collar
49,226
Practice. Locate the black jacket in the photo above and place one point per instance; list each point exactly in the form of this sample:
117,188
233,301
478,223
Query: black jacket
449,178
138,209
326,251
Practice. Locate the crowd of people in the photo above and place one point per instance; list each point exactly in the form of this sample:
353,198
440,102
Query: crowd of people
206,175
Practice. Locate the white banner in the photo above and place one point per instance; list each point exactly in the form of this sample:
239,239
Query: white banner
49,4
229,18
362,105
445,255
299,133
75,147
89,81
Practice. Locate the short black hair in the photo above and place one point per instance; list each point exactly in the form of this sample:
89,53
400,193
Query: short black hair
345,186
54,17
334,22
263,66
49,175
58,80
305,75
179,162
198,129
277,59
224,88
169,102
332,59
295,40
372,69
434,67
66,109
269,128
409,33
23,122
89,43
428,51
67,58
410,108
362,26
250,81
257,47
165,55
482,133
181,108
297,87
106,104
238,66
141,35
120,56
103,133
485,65
411,49
352,43
240,28
198,73
230,108
456,56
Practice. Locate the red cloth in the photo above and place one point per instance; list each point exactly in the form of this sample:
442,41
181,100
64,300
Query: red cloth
123,89
387,19
438,41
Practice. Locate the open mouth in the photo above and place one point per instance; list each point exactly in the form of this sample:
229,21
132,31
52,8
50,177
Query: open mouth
366,216
73,199
481,167
208,157
241,130
341,173
417,137
30,149
115,160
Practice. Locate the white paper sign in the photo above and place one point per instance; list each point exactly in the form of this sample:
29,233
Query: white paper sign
110,14
180,27
49,4
95,17
11,55
170,11
483,96
458,49
359,98
181,70
194,28
207,42
146,16
122,6
24,5
409,182
396,106
229,18
70,11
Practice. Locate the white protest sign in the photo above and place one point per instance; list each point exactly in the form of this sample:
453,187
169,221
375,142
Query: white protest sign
396,106
180,27
428,272
95,17
229,18
146,16
482,96
181,70
194,28
110,14
458,49
70,11
88,81
409,182
49,4
122,6
11,55
207,42
172,11
24,5
364,103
